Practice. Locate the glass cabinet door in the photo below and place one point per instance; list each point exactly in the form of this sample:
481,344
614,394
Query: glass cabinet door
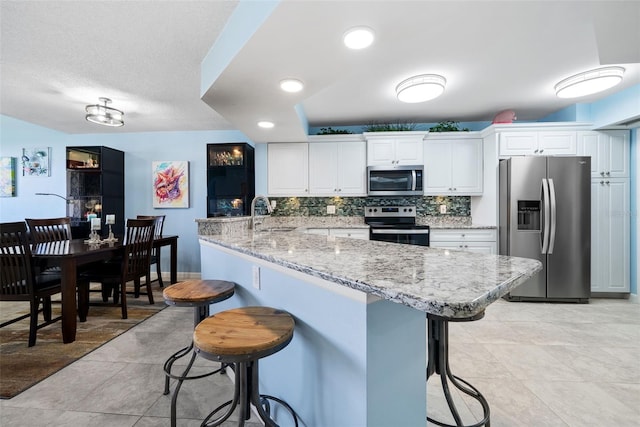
225,155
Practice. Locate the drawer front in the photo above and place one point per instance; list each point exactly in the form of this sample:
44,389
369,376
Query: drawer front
489,248
354,233
463,235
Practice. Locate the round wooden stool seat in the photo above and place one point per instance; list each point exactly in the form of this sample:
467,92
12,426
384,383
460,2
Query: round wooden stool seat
241,334
198,292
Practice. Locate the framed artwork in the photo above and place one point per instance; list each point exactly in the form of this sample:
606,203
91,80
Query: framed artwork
170,184
8,177
36,161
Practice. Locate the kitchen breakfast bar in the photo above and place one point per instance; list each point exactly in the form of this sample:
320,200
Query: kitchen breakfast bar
359,352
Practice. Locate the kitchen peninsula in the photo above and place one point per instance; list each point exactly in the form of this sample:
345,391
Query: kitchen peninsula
358,356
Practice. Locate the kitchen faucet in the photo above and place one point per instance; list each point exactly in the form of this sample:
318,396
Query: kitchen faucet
253,209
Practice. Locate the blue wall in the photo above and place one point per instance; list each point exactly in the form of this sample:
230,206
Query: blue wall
140,150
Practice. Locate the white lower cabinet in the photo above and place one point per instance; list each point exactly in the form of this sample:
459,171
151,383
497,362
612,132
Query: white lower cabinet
353,233
610,242
464,239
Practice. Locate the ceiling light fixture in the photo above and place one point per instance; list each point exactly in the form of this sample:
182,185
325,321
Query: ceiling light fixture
420,88
103,115
291,85
589,82
358,37
266,125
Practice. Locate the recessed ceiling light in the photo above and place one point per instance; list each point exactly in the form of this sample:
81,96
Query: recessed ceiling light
291,85
424,87
358,37
589,82
265,124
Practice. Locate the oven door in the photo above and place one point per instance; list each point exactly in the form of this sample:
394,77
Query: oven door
407,236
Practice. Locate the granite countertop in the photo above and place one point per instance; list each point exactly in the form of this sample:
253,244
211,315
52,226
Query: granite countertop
223,224
452,284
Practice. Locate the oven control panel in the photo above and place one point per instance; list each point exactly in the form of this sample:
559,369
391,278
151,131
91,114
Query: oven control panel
390,211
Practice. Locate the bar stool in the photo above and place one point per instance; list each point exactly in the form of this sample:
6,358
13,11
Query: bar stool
242,336
438,362
199,294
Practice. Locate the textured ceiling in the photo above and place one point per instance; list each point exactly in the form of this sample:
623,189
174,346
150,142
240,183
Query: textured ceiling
58,56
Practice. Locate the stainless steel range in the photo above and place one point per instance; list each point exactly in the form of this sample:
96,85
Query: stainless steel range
396,224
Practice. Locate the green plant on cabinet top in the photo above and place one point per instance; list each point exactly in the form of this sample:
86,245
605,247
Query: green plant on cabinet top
447,126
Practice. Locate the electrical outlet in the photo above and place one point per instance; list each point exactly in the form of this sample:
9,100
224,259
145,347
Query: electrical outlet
256,277
443,209
331,209
273,204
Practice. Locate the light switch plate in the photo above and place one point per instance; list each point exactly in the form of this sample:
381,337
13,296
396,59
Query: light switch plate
443,209
331,209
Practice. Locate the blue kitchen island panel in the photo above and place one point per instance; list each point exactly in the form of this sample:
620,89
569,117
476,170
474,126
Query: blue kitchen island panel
355,359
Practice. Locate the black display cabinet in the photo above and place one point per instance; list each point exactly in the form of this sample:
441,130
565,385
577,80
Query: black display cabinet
95,186
230,179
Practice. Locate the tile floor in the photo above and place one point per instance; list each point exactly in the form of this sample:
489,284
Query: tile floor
537,364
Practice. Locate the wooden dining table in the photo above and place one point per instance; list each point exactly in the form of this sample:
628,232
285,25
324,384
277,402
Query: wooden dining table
70,254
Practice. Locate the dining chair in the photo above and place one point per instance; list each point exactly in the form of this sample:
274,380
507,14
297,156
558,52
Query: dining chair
155,253
134,263
47,230
19,281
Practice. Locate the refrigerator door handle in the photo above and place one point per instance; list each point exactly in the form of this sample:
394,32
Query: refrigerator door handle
552,198
545,229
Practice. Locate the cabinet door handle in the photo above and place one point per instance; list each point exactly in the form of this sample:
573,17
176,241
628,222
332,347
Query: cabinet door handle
602,173
541,150
535,151
607,182
608,173
601,182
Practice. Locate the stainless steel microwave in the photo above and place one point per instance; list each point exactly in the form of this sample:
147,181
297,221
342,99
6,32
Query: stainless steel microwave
395,181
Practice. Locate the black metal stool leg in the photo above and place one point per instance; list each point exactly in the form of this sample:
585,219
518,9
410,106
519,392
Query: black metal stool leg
233,403
438,362
170,361
260,401
174,398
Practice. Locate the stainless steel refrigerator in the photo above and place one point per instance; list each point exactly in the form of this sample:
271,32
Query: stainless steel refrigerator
545,214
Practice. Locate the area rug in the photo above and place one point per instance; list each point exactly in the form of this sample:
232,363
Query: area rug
21,366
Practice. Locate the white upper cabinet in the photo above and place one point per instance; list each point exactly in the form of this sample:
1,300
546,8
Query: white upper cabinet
541,143
453,165
288,169
337,168
609,152
394,148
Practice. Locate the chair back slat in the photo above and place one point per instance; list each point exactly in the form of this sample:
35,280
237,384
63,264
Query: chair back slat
138,246
16,265
49,229
158,223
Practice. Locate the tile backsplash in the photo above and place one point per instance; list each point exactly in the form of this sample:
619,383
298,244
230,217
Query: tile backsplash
459,206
